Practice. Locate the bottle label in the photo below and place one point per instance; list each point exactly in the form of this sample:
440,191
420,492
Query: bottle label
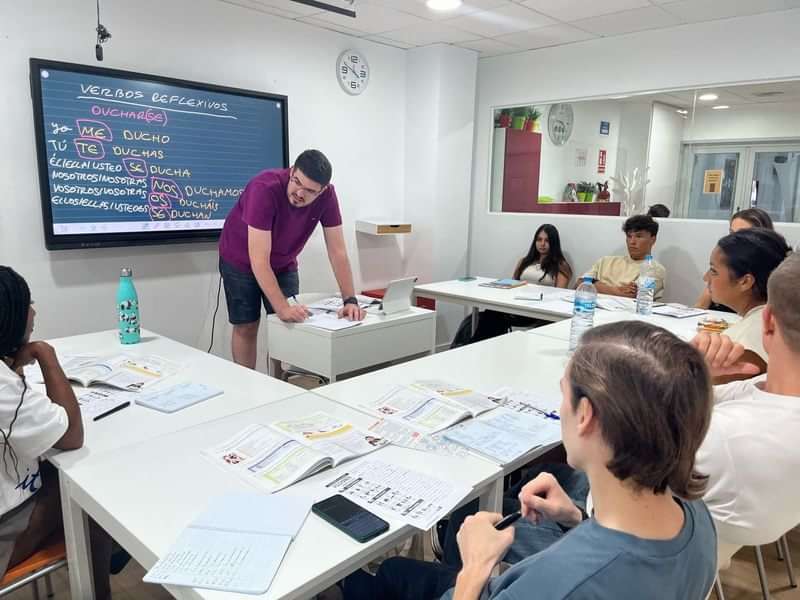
647,283
128,321
584,307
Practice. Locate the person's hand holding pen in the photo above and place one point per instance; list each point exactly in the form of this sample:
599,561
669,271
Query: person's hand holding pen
293,313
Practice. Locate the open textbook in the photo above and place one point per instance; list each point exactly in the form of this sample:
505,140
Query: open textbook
505,435
429,406
236,545
121,371
285,452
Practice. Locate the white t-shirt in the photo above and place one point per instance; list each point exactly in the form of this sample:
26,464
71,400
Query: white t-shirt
40,423
749,332
533,274
752,459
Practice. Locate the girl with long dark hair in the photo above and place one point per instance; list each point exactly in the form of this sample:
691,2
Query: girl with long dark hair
31,423
544,264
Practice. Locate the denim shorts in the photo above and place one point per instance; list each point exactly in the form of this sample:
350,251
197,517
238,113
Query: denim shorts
244,295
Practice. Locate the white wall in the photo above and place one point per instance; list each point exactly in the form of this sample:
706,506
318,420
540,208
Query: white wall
207,41
664,155
439,127
776,120
755,48
634,136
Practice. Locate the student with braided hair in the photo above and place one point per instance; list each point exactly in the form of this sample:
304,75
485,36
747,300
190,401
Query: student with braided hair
30,424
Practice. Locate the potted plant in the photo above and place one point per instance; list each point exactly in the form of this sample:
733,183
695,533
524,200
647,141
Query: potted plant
532,119
502,118
586,191
518,116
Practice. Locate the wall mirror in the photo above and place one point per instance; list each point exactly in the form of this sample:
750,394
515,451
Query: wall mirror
699,153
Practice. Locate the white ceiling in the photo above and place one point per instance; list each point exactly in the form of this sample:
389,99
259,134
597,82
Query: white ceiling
494,27
778,92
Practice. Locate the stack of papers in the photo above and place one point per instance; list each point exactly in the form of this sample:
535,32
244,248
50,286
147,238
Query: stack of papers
397,493
94,403
678,311
334,303
329,320
503,284
237,545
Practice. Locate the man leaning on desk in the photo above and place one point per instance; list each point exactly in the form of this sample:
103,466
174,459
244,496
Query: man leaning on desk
262,236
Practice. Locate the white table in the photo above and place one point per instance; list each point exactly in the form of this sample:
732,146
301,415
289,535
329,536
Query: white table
519,360
378,339
244,389
145,494
685,328
472,295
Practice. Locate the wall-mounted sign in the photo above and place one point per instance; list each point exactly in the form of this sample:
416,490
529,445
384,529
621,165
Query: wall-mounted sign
712,181
601,162
580,156
605,127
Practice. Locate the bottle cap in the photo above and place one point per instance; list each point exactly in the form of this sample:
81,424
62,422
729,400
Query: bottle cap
125,272
649,257
588,279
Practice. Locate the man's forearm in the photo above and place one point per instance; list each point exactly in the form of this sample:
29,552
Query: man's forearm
604,288
470,583
343,274
269,285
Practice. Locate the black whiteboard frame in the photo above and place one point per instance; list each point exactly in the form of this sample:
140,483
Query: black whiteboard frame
106,240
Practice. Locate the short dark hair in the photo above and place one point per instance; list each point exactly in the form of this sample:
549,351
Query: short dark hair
757,217
757,252
658,210
315,166
641,223
652,396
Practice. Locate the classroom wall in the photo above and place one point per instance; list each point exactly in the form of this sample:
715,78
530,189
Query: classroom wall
664,157
207,41
440,114
646,61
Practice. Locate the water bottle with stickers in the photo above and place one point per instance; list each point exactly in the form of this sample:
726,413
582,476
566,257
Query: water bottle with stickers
646,287
582,311
128,308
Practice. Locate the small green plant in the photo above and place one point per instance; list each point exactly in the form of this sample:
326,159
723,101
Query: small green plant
586,187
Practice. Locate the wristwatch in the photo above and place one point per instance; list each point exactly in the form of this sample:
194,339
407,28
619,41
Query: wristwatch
350,300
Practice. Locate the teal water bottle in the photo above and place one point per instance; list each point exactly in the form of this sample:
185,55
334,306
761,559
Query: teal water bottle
128,308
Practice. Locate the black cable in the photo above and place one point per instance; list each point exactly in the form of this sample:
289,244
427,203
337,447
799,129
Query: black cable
214,318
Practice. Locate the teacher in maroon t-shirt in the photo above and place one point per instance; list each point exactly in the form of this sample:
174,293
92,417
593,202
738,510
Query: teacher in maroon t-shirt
262,236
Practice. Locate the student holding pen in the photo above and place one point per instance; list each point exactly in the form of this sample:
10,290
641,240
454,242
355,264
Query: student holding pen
30,424
262,236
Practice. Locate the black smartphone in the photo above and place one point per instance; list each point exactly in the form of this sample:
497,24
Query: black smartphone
346,515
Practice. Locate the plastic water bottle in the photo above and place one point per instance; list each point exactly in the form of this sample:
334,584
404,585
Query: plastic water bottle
128,308
645,287
583,311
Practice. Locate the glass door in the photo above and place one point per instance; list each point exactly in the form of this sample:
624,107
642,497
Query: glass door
775,185
712,182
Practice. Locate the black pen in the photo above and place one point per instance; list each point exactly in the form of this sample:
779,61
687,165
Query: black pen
112,411
508,520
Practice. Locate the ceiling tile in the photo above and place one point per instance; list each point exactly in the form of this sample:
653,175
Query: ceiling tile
431,32
573,10
387,42
418,7
628,21
371,18
257,6
332,26
546,36
489,47
709,10
505,19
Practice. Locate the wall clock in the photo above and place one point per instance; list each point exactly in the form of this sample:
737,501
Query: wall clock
352,72
560,121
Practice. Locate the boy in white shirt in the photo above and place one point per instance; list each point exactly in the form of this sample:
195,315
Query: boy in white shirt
750,451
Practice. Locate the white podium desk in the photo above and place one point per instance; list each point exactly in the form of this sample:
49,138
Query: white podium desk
378,339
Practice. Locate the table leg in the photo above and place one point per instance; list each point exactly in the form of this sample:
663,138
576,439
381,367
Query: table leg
492,498
275,369
76,538
475,314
